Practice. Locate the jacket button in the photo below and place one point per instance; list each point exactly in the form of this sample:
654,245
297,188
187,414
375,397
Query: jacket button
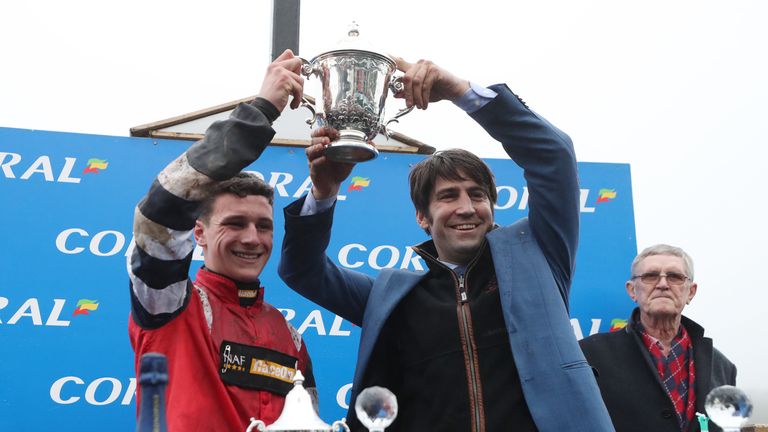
667,414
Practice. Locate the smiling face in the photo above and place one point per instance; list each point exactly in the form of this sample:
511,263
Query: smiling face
237,238
460,214
661,300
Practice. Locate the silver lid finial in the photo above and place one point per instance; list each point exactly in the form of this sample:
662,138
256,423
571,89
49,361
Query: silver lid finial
354,30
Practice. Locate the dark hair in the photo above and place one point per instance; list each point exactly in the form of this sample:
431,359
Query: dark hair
243,184
453,164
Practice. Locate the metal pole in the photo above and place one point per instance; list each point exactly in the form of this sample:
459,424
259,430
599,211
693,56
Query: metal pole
285,26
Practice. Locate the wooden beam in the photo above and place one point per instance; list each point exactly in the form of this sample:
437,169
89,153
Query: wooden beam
146,130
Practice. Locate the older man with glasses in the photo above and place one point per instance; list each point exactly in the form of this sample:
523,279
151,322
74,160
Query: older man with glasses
655,373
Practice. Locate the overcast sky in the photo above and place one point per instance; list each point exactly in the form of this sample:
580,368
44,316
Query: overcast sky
677,89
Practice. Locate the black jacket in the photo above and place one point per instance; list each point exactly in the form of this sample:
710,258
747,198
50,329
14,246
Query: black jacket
630,384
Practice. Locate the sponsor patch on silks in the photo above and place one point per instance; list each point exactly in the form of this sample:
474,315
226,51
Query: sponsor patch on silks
256,368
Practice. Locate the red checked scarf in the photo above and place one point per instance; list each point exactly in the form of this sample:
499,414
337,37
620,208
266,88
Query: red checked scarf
677,373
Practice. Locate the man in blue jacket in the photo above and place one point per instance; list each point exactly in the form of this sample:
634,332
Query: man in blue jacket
482,341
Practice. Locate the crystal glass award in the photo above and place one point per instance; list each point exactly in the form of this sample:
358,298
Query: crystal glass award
376,408
728,407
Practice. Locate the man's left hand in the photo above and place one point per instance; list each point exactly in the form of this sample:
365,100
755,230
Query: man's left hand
427,82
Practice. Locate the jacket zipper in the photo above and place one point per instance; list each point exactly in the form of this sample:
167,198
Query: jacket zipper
474,386
474,382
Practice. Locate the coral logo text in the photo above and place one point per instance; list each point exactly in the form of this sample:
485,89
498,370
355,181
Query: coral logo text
69,390
358,183
84,306
13,166
94,165
314,320
48,313
605,195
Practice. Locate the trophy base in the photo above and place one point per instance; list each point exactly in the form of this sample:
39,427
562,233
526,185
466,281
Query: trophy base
351,148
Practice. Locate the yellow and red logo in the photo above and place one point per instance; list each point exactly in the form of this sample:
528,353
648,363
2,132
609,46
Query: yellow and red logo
605,195
84,306
94,165
358,183
617,324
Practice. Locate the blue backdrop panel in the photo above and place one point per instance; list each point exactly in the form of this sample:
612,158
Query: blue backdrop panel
65,224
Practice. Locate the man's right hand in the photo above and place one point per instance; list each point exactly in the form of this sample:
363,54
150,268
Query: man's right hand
283,79
327,175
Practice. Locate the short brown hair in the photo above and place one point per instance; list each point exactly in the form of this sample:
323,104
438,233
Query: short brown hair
453,164
243,184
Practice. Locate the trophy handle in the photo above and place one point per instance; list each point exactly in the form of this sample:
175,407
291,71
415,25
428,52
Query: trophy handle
340,425
258,424
308,69
306,103
396,85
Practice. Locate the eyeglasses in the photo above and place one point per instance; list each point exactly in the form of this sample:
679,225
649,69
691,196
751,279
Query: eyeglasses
652,278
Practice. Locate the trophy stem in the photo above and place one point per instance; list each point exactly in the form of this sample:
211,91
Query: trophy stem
351,147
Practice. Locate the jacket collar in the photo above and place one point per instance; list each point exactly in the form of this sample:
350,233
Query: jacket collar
229,290
428,251
702,355
695,331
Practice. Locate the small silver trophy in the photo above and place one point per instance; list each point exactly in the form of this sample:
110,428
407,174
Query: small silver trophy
355,80
298,414
728,407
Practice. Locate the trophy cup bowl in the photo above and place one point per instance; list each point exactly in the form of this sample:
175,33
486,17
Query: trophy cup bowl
355,83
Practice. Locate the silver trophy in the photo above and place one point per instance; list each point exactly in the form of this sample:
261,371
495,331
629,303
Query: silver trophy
355,80
376,409
298,414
